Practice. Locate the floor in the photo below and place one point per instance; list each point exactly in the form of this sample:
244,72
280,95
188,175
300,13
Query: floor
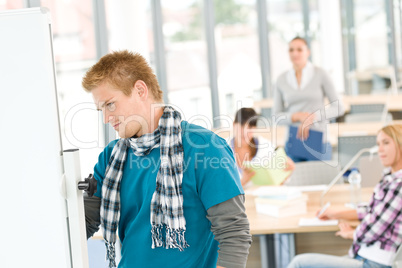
254,257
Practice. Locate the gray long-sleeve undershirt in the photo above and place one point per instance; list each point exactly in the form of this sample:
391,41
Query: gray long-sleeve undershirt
229,224
231,229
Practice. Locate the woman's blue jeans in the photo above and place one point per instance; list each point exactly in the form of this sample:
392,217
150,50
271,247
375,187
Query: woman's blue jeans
315,260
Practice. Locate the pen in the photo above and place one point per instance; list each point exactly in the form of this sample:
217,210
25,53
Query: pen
324,208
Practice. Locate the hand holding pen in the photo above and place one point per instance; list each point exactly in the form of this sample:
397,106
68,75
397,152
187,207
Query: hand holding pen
325,213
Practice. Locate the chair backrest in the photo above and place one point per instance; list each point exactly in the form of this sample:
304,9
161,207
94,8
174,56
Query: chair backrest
367,108
397,263
370,169
368,117
266,112
348,146
313,173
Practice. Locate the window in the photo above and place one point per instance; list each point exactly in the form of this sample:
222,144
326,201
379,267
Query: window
186,58
371,34
75,52
238,59
286,21
314,31
129,26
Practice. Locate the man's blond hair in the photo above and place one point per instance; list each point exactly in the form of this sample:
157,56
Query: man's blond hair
121,70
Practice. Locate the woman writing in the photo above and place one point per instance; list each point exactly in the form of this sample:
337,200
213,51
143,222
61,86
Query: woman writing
250,148
379,235
299,98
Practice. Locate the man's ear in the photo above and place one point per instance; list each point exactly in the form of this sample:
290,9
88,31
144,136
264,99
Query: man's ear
141,89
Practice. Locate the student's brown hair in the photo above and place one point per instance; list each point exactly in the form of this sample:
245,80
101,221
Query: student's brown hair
246,116
301,39
121,70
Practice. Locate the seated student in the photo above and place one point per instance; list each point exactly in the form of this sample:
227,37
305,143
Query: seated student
246,147
379,235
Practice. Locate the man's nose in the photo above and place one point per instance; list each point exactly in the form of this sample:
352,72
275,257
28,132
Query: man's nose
106,117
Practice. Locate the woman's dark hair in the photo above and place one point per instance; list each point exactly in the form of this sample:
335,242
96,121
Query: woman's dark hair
246,116
301,39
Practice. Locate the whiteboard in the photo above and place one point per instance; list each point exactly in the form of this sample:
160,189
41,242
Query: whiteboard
33,226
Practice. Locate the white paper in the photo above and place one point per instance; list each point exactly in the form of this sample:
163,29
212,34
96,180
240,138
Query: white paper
316,222
312,188
278,192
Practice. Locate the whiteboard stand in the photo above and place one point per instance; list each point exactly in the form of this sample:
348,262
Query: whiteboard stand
75,208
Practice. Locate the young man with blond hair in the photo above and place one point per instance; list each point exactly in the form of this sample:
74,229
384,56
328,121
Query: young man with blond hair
171,188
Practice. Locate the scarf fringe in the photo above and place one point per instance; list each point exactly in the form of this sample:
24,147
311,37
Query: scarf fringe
110,254
157,240
174,237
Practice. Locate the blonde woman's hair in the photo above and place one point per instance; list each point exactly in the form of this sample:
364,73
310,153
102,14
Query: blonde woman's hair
121,70
395,132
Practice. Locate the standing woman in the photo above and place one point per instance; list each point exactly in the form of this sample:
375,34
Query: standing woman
379,234
299,98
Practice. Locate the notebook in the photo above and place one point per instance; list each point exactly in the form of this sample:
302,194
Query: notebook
271,173
302,149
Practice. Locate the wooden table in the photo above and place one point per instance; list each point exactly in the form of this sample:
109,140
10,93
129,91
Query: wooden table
393,102
277,134
266,226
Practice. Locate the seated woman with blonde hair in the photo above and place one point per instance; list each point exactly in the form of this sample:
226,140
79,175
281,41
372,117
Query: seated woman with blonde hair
379,234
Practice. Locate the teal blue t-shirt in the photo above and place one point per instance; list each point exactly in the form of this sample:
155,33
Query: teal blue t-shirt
210,177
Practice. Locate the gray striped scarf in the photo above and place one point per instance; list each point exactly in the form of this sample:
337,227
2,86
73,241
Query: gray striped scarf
167,201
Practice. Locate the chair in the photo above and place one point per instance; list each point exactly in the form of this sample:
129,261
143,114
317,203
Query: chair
397,263
266,112
348,146
367,108
370,169
313,173
367,117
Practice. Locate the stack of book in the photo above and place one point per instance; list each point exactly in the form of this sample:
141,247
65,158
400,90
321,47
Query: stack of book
280,201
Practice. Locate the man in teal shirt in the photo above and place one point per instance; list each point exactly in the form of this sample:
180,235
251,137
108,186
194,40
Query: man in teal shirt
171,188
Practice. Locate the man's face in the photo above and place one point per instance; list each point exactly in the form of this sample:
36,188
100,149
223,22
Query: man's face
124,113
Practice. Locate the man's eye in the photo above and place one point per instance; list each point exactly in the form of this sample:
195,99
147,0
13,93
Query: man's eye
110,105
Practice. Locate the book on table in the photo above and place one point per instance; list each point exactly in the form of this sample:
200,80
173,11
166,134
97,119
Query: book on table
280,201
277,192
270,172
281,207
